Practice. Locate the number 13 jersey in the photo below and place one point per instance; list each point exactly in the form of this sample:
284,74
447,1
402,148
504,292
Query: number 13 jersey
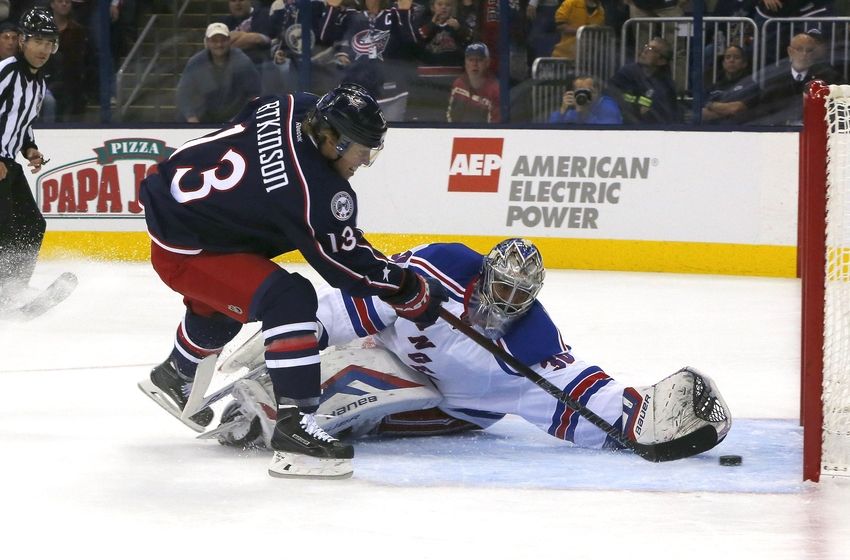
261,186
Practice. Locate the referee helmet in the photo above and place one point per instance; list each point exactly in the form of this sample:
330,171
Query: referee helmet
38,22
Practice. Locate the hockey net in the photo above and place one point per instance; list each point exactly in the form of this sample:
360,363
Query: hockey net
824,261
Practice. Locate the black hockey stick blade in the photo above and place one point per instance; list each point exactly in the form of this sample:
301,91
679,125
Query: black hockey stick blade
686,446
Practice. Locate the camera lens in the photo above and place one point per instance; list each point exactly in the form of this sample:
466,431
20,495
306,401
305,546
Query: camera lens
583,96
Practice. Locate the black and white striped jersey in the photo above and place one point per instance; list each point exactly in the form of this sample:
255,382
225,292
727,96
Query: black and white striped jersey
21,94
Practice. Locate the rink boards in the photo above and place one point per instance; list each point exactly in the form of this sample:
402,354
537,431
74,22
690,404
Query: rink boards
668,201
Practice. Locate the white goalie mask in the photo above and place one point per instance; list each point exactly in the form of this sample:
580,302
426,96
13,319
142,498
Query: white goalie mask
511,277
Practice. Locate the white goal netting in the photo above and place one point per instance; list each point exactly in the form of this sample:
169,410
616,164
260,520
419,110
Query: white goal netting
835,458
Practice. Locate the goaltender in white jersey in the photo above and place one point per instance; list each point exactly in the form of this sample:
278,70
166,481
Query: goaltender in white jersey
382,375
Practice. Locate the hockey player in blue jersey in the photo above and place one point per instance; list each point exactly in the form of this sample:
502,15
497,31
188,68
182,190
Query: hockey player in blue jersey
437,380
223,205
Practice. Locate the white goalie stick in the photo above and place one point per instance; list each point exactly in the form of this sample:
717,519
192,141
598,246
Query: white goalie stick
198,399
686,446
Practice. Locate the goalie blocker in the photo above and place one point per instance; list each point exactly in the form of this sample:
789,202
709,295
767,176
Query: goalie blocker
366,389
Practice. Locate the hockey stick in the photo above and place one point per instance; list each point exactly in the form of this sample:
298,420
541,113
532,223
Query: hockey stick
198,400
679,448
202,401
203,378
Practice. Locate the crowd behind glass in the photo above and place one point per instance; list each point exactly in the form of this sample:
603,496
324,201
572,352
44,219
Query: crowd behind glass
439,61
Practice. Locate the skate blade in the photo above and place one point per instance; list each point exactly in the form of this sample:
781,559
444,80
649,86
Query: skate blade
295,465
220,429
152,391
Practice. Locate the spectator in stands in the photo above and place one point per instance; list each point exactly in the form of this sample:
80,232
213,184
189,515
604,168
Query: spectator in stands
286,28
250,30
571,15
821,66
766,9
488,31
542,34
376,45
124,18
644,89
468,13
732,97
442,36
217,81
475,94
67,71
8,39
781,101
655,8
584,105
773,36
669,31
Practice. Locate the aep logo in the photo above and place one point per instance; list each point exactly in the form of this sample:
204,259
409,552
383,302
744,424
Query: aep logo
476,164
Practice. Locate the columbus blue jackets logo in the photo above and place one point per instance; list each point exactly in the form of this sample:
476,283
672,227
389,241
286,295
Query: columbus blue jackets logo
370,43
292,38
342,206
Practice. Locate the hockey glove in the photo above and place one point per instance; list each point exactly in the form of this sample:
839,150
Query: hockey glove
418,299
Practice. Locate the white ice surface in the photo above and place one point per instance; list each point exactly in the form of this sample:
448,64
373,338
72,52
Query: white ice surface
91,468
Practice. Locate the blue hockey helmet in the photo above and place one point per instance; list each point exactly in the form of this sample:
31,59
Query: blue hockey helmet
39,22
355,116
511,276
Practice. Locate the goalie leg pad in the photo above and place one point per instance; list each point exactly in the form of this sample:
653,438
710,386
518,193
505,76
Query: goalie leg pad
674,408
363,385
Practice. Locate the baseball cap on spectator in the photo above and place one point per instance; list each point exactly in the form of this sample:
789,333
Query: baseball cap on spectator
217,29
9,26
478,49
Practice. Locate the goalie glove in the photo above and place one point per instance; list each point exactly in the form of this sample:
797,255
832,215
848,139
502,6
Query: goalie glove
674,408
418,299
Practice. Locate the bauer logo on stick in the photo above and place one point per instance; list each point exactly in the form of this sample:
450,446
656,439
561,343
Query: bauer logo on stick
475,165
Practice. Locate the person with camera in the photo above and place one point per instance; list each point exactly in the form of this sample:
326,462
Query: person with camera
583,105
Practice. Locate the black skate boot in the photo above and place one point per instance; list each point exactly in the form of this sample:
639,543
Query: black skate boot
170,389
303,449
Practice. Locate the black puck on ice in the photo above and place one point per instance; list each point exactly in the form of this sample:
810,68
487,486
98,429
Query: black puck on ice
730,460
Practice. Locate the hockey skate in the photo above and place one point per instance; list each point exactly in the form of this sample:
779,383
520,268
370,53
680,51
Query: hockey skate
303,449
168,388
681,415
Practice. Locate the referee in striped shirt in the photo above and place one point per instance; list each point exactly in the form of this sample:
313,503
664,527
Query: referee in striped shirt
21,93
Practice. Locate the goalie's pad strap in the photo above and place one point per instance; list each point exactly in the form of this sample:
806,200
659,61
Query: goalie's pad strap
429,422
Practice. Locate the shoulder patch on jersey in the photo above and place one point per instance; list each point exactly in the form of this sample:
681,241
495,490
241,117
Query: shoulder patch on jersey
342,206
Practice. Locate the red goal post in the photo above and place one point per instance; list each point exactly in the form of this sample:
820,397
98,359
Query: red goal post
824,267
